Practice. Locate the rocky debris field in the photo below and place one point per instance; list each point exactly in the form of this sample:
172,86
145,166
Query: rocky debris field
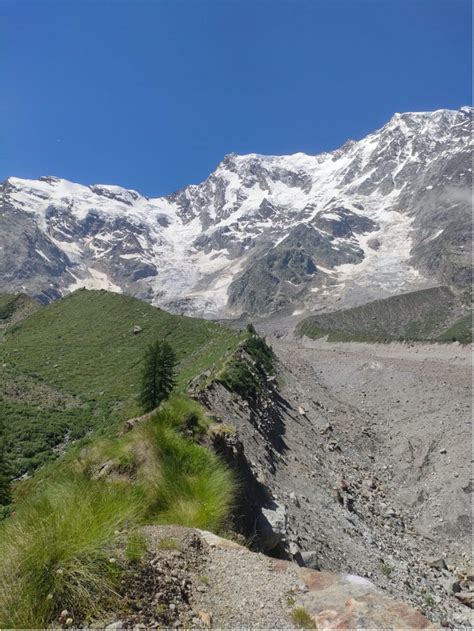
195,579
375,475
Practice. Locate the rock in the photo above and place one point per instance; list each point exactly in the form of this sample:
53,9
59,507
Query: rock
301,411
443,450
137,329
205,618
466,598
374,244
369,482
294,499
114,625
310,559
438,564
272,525
326,429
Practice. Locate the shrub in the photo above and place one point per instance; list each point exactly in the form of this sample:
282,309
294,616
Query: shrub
239,378
259,350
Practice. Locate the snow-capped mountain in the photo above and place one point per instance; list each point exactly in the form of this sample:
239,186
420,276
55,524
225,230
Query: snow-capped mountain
383,215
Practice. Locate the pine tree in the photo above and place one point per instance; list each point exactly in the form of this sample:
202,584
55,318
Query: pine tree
158,378
5,496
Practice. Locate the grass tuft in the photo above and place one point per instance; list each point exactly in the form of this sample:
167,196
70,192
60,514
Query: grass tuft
136,547
194,488
55,552
302,619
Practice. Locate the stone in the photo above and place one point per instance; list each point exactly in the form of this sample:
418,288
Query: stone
272,525
137,329
113,626
374,244
205,618
310,559
466,598
438,564
294,499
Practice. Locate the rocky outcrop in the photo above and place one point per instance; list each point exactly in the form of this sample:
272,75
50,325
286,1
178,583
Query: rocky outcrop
248,434
316,488
193,578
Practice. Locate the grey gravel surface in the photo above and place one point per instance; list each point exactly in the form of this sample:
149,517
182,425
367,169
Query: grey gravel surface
379,464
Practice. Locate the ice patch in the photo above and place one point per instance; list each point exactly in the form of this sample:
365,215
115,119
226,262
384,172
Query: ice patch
96,280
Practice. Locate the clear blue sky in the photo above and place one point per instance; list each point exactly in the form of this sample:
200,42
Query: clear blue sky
152,94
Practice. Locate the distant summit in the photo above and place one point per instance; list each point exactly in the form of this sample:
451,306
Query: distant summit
387,214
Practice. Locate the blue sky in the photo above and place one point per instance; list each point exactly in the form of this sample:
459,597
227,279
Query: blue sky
152,94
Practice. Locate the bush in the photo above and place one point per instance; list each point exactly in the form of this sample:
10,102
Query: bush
239,378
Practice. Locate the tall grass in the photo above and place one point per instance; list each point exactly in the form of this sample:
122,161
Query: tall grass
194,488
55,551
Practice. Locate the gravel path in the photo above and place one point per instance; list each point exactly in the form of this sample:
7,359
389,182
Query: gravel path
242,591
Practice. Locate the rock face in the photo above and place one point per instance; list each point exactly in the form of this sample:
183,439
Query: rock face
346,465
386,214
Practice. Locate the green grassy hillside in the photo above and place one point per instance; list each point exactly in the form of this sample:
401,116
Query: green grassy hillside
15,307
75,538
430,314
69,375
75,365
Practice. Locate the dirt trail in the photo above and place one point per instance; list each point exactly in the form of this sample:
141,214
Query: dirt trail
376,475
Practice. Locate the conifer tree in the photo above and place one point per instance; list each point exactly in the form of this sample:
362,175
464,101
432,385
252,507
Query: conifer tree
158,378
5,496
251,329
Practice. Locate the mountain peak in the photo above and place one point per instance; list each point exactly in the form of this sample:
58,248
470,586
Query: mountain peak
228,244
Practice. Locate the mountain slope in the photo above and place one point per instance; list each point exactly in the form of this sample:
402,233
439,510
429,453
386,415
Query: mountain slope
428,314
386,214
14,308
75,365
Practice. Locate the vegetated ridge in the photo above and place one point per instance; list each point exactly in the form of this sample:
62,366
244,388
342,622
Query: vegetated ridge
75,365
435,314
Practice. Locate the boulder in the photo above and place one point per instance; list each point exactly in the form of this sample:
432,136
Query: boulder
272,525
310,559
